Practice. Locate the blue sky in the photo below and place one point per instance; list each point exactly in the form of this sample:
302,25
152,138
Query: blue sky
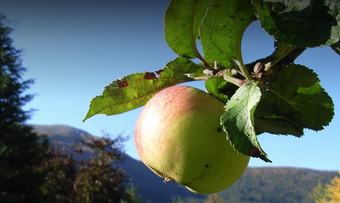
73,49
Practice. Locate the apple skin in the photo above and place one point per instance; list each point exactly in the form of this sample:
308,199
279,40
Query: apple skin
178,136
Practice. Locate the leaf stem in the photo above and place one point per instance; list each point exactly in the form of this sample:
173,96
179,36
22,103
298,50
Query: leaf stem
280,53
200,57
244,71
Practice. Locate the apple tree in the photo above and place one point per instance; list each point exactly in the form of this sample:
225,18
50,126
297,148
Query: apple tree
272,94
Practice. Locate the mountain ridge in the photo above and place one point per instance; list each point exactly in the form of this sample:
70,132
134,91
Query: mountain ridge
252,186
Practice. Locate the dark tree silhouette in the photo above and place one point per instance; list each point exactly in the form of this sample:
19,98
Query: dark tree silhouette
86,181
20,148
97,180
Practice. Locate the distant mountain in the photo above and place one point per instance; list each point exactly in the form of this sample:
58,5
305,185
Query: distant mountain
276,185
257,185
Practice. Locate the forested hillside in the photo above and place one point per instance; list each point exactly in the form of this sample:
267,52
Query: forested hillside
257,185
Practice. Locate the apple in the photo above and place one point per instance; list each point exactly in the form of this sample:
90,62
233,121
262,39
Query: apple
178,136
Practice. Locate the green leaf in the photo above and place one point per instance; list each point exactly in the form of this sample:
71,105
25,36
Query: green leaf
183,21
238,121
334,11
277,125
222,30
3,149
336,47
135,90
305,23
297,98
214,86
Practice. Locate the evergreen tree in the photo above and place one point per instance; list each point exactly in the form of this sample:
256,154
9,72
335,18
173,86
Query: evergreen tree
21,150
